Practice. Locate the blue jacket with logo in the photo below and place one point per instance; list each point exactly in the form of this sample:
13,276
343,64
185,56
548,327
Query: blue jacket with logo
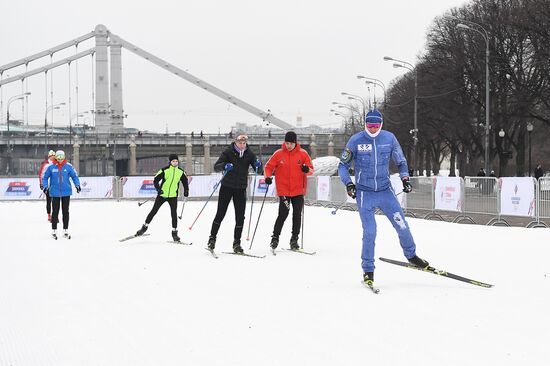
372,160
57,176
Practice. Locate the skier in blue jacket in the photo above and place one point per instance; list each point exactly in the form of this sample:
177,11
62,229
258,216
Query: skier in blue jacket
56,182
371,150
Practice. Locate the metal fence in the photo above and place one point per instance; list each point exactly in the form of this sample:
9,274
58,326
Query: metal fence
477,196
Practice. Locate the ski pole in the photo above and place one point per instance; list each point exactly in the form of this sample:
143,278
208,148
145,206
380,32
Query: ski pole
339,206
182,206
259,215
251,205
208,200
144,202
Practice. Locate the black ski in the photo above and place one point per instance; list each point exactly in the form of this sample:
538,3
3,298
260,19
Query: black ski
132,237
245,255
212,252
301,251
178,242
371,287
436,272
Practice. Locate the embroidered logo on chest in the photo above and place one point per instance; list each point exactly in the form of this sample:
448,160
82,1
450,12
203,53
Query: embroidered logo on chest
364,147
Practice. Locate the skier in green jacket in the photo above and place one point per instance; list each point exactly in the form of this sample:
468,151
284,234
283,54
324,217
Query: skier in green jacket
167,183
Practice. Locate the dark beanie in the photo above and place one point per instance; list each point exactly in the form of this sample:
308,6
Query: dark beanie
290,137
173,157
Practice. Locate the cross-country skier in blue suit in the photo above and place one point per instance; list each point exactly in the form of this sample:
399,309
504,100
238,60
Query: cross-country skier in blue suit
371,150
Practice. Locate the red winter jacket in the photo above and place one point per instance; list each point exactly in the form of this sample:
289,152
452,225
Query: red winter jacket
287,166
42,170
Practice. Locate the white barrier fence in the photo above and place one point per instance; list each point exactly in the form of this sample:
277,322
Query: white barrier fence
508,196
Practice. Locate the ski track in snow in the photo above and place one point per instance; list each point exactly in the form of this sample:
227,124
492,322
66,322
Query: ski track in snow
94,301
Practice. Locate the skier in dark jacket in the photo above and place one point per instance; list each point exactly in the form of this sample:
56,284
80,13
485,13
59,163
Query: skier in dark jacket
170,176
234,162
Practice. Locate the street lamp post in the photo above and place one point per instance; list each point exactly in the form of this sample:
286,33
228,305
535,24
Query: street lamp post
410,67
359,99
485,37
12,99
375,82
530,128
49,108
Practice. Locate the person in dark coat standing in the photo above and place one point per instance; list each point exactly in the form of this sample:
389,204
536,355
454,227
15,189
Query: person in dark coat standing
234,162
538,172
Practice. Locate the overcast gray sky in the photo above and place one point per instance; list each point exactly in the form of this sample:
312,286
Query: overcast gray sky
293,57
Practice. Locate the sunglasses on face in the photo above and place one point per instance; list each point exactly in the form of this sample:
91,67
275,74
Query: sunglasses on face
373,125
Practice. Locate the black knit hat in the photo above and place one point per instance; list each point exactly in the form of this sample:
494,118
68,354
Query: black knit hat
290,136
173,157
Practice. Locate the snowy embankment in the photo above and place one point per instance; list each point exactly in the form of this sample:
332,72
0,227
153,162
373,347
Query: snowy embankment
94,301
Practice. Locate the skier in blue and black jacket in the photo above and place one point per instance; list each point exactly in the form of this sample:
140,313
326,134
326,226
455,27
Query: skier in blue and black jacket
371,150
56,183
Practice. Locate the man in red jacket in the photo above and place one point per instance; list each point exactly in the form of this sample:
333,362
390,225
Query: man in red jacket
291,165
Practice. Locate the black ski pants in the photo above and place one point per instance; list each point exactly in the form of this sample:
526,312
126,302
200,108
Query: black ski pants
297,203
239,202
172,201
64,203
48,203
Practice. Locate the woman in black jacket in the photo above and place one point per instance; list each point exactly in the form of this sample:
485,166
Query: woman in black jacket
234,162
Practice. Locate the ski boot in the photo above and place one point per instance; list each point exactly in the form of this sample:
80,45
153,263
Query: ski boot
274,242
211,242
419,262
368,278
237,246
66,234
175,236
54,234
143,229
294,242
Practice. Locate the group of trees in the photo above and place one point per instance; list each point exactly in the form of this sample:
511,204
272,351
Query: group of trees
451,87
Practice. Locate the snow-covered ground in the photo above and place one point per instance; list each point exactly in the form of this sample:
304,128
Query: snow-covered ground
94,301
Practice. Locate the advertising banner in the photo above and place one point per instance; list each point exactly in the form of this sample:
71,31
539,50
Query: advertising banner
138,187
203,185
517,196
261,187
448,193
323,188
94,187
20,189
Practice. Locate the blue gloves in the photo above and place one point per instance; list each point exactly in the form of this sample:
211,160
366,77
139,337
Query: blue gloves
228,167
257,164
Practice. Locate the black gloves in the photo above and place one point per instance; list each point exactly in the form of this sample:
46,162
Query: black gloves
305,168
268,180
45,190
160,191
352,191
186,193
78,189
407,188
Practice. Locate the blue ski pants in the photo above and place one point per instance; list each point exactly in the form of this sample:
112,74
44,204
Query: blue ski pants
367,202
